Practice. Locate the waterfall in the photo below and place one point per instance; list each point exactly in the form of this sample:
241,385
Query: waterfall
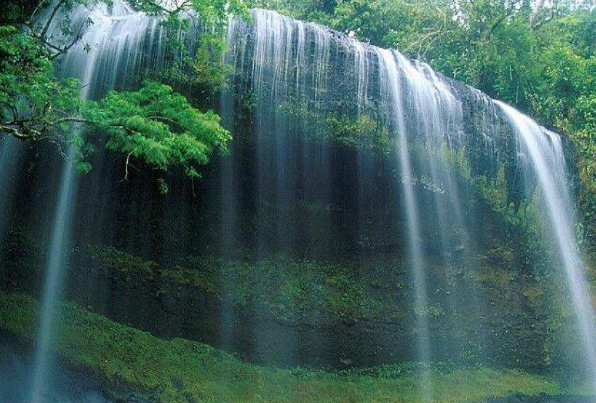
276,61
422,108
544,150
57,259
391,81
113,40
342,151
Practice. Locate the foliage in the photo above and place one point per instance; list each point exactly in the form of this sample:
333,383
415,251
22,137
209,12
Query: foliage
181,371
542,288
34,103
158,126
154,125
208,65
291,291
307,293
127,265
362,131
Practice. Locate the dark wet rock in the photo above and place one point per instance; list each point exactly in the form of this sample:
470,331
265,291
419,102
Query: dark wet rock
69,385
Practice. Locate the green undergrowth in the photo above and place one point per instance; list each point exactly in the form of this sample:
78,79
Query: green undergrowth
291,290
177,371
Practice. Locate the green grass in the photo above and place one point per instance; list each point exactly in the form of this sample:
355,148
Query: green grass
176,371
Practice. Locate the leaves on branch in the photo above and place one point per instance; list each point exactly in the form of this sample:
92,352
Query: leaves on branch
160,127
154,125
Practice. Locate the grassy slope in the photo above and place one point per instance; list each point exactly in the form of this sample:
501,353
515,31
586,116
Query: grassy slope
183,371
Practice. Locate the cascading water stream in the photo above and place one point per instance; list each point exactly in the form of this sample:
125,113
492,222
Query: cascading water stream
55,269
544,150
113,30
277,61
57,259
390,82
439,119
229,203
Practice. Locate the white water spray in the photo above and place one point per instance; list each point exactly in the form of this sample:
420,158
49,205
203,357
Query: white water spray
113,37
545,153
390,82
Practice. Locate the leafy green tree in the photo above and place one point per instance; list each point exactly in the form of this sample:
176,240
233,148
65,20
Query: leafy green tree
155,124
34,103
159,126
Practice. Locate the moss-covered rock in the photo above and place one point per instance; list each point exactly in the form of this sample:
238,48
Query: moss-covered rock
278,309
177,371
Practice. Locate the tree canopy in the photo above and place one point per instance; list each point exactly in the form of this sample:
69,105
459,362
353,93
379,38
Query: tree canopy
154,124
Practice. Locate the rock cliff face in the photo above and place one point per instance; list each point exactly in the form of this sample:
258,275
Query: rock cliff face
401,205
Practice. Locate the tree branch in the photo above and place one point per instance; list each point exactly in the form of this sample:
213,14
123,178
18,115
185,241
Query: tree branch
126,167
61,50
166,120
50,19
15,130
488,33
37,8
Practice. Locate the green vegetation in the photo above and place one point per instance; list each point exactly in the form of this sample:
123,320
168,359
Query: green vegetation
542,60
37,106
160,127
311,295
180,371
539,56
315,295
493,191
362,131
299,292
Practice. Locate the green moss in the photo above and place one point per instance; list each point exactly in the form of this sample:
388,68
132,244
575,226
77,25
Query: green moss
364,131
122,263
291,290
176,371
